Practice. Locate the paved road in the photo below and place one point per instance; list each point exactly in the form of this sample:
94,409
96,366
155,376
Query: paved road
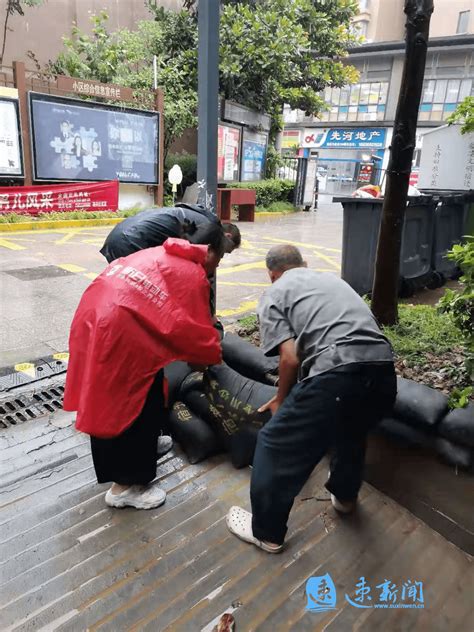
44,273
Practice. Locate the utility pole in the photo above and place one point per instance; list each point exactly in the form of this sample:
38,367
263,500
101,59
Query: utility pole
387,266
208,97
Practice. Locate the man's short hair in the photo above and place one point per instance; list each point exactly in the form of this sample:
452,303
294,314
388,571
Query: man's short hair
211,235
234,233
283,258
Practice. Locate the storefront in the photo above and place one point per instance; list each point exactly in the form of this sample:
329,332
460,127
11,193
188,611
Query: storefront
347,158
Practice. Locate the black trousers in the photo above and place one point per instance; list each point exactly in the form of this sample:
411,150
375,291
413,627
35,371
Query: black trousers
335,411
130,458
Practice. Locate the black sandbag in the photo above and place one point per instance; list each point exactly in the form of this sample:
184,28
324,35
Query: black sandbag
458,426
454,454
242,448
419,405
234,401
192,382
175,374
396,429
451,453
249,360
194,435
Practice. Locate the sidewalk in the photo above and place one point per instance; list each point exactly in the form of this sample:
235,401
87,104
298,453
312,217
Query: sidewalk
44,273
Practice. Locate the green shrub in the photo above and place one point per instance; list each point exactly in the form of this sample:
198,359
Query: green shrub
269,191
460,303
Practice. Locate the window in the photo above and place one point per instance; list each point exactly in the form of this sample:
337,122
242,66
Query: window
453,89
463,22
363,5
362,28
465,89
428,92
440,91
364,93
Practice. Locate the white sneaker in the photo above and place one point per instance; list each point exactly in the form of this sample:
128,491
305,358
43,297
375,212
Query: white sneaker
138,496
164,445
343,506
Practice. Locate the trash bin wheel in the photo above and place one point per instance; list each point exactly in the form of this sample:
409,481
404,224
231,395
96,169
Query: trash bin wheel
436,280
407,288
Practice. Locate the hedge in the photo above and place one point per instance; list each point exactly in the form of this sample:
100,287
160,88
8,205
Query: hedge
269,191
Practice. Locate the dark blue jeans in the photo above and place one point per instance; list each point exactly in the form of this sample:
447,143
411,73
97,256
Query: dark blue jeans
334,411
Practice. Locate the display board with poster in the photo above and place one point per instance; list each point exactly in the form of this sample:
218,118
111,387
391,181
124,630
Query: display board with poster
11,155
228,152
83,140
254,150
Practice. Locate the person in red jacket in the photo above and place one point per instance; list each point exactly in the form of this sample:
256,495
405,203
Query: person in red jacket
143,312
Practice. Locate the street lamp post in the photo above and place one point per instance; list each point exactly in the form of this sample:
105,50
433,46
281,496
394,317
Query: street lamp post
208,94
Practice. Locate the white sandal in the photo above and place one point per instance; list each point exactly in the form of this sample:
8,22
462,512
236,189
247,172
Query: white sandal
239,522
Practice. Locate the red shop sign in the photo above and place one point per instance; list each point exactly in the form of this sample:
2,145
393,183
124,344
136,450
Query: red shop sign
94,196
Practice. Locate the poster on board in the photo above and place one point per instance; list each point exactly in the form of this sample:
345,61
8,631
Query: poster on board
82,141
228,151
254,150
11,159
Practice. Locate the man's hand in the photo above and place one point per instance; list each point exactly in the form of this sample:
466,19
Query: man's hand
273,405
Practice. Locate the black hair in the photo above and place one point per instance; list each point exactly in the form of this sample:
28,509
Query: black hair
284,257
211,235
234,232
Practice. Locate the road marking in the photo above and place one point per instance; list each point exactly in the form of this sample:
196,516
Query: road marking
91,275
245,306
11,245
27,368
71,267
242,267
312,247
66,237
64,357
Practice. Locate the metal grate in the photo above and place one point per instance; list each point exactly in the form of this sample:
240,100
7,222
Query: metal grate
21,408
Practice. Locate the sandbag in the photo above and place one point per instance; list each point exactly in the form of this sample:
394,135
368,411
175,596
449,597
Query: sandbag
249,360
419,405
175,373
450,452
242,447
194,435
235,401
458,426
396,429
192,382
454,454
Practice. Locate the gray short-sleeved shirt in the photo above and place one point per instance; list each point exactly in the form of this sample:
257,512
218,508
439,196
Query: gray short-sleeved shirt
331,324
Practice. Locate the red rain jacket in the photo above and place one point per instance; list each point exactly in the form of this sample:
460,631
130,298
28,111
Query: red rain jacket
143,312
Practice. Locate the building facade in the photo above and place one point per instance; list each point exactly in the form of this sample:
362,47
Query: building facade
42,27
351,138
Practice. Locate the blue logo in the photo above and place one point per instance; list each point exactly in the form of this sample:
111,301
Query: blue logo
320,593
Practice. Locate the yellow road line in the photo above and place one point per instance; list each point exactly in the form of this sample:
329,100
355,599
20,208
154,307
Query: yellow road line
11,245
66,237
245,306
312,247
71,267
242,267
91,275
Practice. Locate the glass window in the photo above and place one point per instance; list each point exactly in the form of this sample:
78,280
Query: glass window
335,96
342,115
345,92
428,92
327,94
440,91
363,5
355,95
383,93
374,93
452,92
463,22
465,89
364,93
362,27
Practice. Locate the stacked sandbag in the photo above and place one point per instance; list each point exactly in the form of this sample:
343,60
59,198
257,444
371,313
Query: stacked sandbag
249,360
421,417
217,411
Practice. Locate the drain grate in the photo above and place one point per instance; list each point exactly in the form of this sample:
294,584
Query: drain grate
21,408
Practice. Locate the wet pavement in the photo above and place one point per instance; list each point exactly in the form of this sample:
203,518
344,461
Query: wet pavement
44,273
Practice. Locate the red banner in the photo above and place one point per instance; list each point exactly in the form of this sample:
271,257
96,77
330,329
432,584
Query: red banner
93,196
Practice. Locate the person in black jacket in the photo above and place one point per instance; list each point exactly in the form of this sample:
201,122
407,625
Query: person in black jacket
153,227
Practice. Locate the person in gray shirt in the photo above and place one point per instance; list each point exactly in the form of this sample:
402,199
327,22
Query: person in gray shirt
336,381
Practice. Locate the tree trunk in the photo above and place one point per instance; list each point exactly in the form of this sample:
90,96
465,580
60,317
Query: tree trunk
387,266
